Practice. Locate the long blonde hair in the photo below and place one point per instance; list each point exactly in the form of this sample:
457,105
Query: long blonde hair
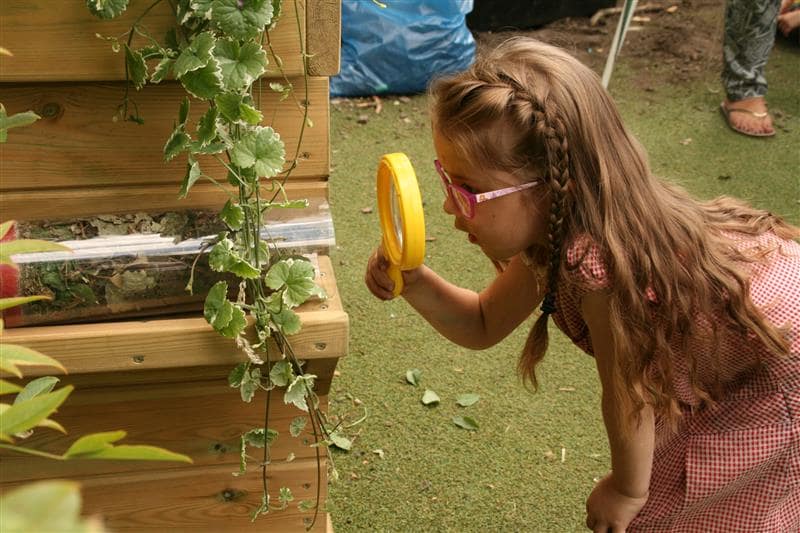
562,123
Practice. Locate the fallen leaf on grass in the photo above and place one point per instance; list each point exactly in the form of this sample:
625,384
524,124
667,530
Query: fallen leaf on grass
430,397
466,422
465,400
413,376
366,210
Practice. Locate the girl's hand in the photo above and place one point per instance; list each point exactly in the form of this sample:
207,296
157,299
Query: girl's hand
377,279
609,510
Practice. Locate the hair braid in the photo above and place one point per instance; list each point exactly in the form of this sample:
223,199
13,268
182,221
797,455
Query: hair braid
553,135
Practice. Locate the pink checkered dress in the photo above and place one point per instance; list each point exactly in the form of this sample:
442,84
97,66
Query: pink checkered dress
736,467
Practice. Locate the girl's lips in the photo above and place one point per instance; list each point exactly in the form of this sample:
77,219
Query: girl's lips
472,238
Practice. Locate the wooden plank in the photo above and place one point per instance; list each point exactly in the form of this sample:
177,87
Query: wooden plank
76,202
178,342
55,40
201,419
204,499
324,36
77,144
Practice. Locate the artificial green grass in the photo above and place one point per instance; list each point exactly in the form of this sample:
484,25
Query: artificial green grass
411,468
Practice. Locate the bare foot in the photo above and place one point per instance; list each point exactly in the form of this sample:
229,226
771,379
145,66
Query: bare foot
789,21
749,116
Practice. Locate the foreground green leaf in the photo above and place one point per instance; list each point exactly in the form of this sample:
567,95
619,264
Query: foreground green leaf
13,356
26,415
45,506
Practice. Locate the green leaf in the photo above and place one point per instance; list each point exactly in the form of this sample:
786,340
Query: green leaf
6,387
281,374
176,143
413,376
94,442
233,215
340,441
205,83
195,56
13,356
283,90
241,65
298,278
297,426
44,506
17,120
296,392
202,8
237,375
262,149
306,505
183,113
7,303
465,400
100,446
193,174
285,496
162,70
207,126
224,257
465,422
137,68
27,246
107,9
228,105
245,22
236,325
36,387
250,114
258,438
25,415
287,321
430,397
216,303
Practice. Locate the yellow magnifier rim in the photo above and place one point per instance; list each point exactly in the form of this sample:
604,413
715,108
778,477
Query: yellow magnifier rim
406,251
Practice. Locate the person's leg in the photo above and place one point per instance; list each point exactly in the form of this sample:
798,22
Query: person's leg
749,36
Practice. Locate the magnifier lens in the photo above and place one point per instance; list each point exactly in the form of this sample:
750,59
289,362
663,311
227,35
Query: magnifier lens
397,219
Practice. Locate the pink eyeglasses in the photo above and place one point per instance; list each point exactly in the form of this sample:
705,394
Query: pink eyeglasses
465,200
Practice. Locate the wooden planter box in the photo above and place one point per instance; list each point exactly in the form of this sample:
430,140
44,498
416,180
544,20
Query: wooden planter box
164,380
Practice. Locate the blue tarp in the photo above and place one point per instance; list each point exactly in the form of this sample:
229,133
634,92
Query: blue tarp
399,48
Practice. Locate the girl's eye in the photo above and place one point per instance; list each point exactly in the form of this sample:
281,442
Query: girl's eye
468,188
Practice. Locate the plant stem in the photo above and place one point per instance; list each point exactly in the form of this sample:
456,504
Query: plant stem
29,451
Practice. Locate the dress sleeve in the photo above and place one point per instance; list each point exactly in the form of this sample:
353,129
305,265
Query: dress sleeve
586,269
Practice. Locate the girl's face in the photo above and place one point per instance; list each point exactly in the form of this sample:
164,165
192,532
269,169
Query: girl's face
504,226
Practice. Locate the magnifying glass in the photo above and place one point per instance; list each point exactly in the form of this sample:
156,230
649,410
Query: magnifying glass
402,221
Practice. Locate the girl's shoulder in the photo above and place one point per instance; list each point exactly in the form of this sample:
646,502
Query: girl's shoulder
586,265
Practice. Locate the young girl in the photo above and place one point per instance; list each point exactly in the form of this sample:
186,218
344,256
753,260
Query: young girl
691,310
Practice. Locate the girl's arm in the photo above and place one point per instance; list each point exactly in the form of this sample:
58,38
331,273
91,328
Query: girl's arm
618,498
470,319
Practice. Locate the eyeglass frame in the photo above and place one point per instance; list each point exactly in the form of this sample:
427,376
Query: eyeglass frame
473,199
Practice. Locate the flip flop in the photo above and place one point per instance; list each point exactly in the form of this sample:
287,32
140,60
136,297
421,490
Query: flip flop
726,112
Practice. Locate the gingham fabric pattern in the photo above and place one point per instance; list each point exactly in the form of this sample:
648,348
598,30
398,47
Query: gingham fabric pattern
735,467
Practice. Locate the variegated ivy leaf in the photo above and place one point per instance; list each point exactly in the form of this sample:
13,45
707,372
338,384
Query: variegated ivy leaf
16,120
261,149
286,321
137,68
297,426
183,112
224,257
285,496
176,143
277,7
224,317
204,83
202,8
274,302
237,375
107,9
235,108
193,173
281,374
241,19
297,276
296,392
250,114
260,438
240,64
284,90
162,70
196,55
207,126
213,148
233,215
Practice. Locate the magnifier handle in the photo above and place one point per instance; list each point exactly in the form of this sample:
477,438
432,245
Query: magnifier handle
397,276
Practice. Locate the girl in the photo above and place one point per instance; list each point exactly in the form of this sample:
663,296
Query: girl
691,310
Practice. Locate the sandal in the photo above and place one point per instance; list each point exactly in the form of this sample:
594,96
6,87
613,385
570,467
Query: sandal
726,112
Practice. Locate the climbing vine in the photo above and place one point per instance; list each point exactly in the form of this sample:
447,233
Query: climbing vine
217,51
